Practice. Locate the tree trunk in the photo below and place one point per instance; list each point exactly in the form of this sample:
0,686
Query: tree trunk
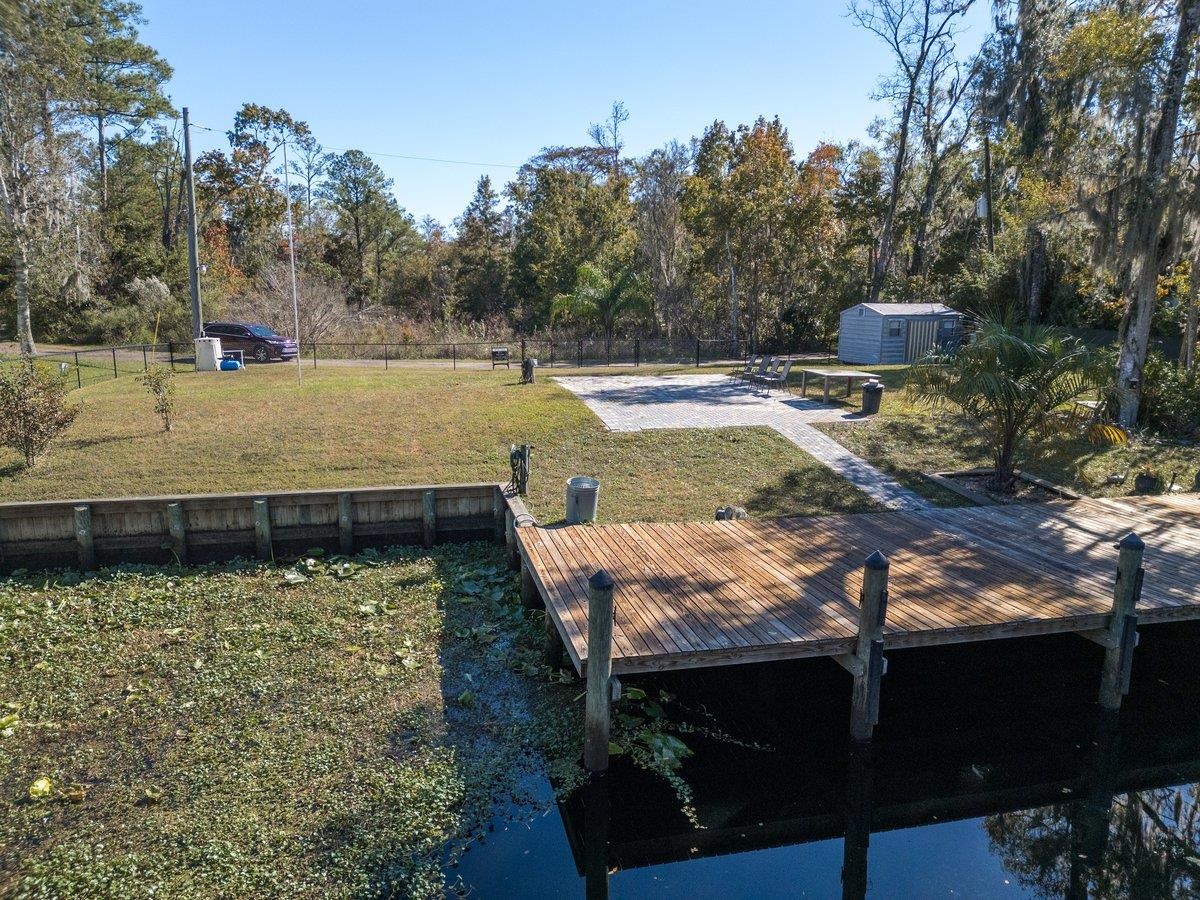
883,259
1147,218
20,286
1188,358
1003,478
102,153
932,183
1033,272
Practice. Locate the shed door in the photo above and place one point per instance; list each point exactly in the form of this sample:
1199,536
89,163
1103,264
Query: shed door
922,336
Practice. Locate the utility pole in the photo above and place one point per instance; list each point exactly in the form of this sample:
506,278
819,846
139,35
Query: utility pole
287,190
193,253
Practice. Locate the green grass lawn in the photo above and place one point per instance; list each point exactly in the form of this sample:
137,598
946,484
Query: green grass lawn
907,438
219,733
347,427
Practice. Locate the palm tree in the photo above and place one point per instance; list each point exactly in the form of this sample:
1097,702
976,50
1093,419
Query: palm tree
603,301
1008,381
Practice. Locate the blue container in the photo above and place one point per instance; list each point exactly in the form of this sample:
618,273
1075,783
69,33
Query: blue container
230,365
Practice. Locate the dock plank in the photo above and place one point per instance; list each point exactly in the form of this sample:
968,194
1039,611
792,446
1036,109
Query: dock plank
722,593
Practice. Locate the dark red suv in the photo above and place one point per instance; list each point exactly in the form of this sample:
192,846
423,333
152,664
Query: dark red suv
257,342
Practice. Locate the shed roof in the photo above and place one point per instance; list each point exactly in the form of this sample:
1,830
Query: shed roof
909,309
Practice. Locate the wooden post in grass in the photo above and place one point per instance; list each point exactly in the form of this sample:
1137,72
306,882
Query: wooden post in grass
599,671
346,522
1121,635
429,516
83,538
177,529
872,611
262,529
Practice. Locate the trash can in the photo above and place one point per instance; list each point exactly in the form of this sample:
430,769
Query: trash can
583,496
872,395
208,354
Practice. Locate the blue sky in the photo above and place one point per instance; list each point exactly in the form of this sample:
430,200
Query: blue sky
494,82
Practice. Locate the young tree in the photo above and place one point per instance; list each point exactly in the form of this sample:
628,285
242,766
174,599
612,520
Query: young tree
33,409
1007,381
603,300
160,384
662,233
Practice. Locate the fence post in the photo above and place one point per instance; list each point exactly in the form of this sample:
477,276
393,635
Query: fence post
385,359
697,353
114,353
145,361
599,672
522,349
1122,625
314,354
171,354
78,374
581,353
637,351
454,356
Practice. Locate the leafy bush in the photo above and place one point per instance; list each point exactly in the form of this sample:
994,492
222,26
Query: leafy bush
33,408
160,382
1170,401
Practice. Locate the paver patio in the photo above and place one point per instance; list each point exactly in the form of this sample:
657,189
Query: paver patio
639,402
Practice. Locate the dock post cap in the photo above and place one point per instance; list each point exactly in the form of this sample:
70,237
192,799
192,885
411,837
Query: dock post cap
877,561
1131,542
601,581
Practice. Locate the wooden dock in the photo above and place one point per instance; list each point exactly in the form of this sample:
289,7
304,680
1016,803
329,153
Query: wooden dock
721,593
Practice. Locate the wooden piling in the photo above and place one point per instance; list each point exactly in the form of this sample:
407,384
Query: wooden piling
429,516
869,648
599,670
346,522
83,538
529,592
510,539
177,529
554,644
262,529
499,508
1122,623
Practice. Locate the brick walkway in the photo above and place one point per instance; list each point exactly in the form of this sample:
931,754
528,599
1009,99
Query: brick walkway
638,402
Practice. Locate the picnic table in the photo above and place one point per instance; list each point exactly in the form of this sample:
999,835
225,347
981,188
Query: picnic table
827,374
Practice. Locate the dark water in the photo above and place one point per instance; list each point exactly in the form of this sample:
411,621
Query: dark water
992,774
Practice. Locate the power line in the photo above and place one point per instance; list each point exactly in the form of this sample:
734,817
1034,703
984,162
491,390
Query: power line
433,159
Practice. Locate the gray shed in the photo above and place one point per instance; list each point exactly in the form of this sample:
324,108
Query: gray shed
883,333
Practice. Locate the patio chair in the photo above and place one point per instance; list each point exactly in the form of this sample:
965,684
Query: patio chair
759,367
779,378
747,367
769,371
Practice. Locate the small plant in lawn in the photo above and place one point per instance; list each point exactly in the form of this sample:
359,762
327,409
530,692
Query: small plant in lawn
160,382
33,409
1008,382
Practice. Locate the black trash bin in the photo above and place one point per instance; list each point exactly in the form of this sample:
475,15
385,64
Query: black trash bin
872,396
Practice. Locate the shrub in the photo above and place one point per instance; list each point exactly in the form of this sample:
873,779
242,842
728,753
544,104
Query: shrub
1170,401
33,408
160,382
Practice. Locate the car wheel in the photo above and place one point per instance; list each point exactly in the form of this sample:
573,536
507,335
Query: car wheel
262,354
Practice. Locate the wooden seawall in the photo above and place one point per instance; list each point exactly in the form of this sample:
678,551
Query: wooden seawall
211,527
722,593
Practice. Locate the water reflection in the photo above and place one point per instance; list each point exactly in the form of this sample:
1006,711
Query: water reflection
1053,796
